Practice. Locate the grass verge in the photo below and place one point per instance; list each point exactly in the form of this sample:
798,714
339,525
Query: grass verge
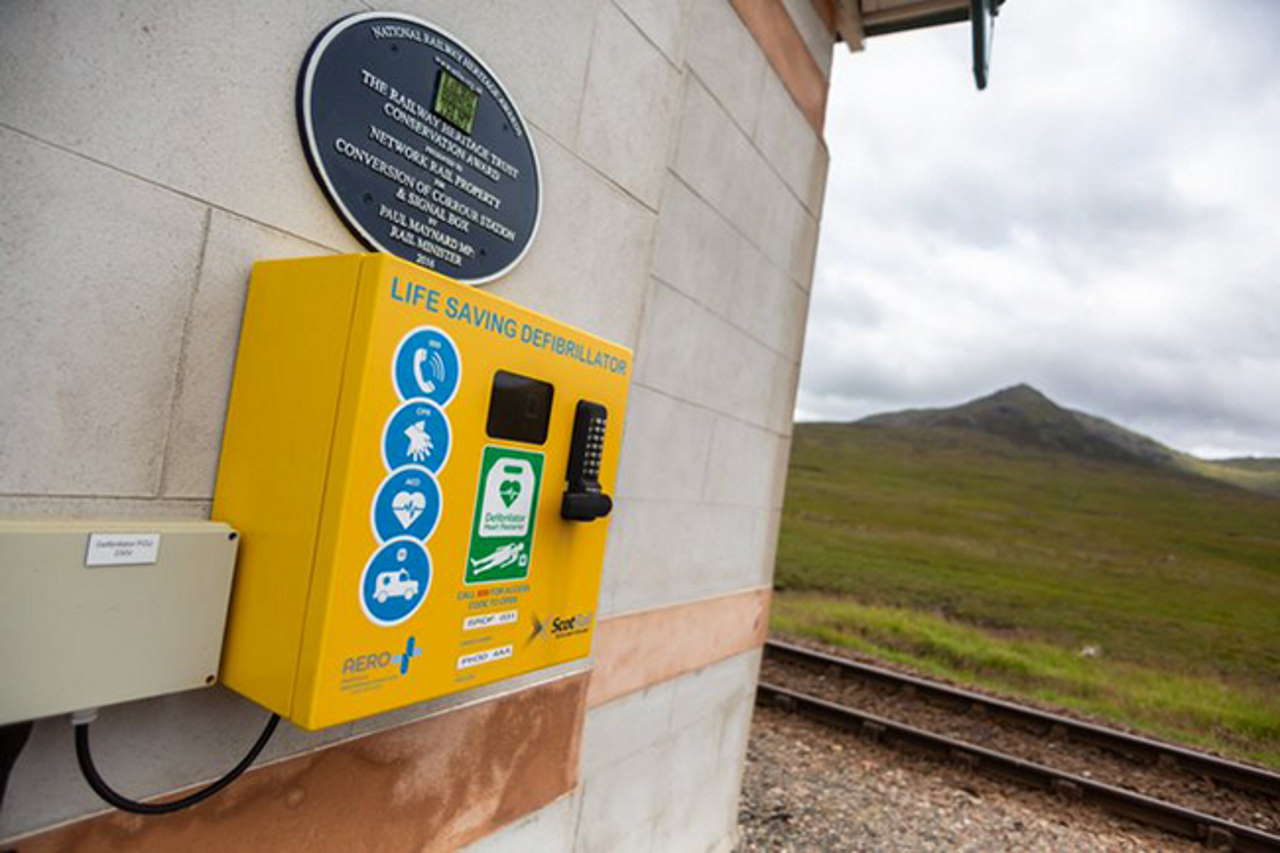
966,556
1197,710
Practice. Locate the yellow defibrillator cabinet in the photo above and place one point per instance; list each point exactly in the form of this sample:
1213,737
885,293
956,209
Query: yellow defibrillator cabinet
420,474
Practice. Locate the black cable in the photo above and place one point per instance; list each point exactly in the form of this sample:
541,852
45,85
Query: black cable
102,789
13,737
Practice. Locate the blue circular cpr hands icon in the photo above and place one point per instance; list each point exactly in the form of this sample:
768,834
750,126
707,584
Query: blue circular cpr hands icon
417,433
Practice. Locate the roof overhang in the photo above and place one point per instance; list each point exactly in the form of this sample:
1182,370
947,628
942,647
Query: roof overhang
860,19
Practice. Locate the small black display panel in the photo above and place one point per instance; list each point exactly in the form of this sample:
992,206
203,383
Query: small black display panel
519,408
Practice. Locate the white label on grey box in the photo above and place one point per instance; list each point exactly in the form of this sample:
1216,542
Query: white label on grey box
122,549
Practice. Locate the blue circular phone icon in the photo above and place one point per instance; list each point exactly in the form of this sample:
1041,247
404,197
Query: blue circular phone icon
427,365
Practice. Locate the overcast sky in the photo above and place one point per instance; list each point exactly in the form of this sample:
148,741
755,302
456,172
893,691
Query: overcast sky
1103,222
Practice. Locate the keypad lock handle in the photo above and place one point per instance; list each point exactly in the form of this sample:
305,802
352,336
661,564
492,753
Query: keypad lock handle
583,500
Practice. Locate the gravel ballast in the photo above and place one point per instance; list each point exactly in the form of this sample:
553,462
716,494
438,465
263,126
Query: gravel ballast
810,788
1165,782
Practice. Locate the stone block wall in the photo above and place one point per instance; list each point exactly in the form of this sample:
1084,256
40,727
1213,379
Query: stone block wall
149,156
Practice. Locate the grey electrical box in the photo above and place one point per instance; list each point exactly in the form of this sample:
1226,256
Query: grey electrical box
97,613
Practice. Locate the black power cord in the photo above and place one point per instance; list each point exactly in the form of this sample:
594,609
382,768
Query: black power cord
13,737
102,789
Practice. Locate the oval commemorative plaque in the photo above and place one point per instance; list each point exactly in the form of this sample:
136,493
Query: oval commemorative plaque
418,146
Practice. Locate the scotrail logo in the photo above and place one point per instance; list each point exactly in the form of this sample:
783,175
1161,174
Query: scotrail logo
381,660
570,626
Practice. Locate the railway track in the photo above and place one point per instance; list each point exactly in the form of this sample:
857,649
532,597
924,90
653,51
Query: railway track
1212,829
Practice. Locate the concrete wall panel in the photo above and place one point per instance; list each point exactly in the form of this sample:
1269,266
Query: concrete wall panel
194,96
680,772
621,803
208,356
664,448
802,248
790,233
697,695
589,263
700,812
772,308
665,551
698,252
619,729
746,465
552,828
539,51
782,395
631,93
726,58
98,269
690,353
793,147
662,22
713,157
100,507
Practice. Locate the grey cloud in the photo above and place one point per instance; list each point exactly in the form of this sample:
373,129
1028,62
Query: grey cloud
1100,223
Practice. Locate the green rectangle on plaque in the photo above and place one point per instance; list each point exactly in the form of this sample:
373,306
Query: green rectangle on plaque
456,102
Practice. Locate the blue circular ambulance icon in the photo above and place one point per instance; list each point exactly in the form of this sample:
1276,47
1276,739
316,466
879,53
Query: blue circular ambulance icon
427,365
395,581
417,433
407,504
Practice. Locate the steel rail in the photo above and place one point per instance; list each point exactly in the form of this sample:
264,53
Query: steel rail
1212,830
1045,722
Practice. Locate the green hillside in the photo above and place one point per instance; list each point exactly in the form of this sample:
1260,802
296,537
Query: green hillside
1028,418
995,546
1256,474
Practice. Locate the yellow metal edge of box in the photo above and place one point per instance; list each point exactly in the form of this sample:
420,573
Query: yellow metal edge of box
306,707
264,472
